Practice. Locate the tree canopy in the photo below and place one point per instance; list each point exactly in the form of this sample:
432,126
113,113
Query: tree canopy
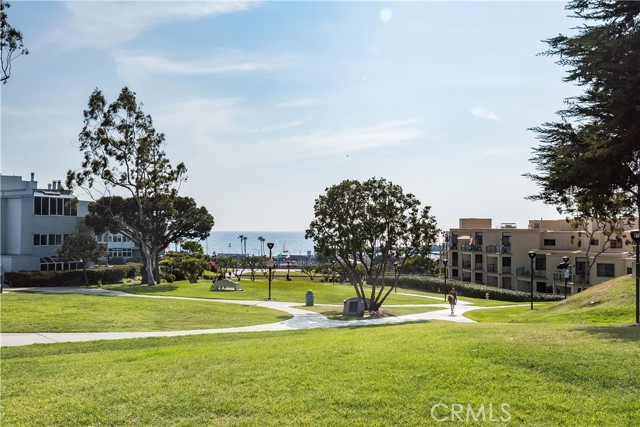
11,45
368,228
589,160
180,218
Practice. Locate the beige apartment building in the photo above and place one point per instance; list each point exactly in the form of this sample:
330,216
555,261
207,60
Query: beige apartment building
479,253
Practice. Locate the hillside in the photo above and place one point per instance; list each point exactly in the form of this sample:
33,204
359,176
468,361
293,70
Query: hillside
609,303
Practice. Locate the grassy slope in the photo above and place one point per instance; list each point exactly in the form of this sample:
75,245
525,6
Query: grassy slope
609,303
391,375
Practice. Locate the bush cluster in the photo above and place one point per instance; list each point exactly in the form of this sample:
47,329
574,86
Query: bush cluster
104,275
471,290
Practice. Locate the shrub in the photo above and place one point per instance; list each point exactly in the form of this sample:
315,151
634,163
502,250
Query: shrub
104,275
179,274
471,290
170,278
134,269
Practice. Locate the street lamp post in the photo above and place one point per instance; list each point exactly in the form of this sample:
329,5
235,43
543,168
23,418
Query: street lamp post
395,276
532,256
566,274
270,265
445,262
635,235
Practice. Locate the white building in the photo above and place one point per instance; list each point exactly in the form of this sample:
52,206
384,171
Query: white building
117,246
35,222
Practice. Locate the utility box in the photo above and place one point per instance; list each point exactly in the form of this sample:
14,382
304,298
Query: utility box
353,307
309,299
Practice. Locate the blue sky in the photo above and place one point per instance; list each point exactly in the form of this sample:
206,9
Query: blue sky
268,103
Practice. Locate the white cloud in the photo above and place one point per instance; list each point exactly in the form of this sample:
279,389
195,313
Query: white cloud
484,113
104,24
307,144
306,102
215,126
136,64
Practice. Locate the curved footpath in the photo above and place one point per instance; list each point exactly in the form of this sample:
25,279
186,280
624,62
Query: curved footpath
302,319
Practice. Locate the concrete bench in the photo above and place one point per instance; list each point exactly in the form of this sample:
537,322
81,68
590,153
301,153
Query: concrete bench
224,284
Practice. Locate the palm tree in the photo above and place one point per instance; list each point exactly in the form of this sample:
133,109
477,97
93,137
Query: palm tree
261,240
243,244
241,237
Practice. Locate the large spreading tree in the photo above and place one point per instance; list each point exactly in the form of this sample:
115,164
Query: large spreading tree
369,228
589,160
170,219
123,151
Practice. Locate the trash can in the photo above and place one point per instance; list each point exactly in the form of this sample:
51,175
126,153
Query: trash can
309,299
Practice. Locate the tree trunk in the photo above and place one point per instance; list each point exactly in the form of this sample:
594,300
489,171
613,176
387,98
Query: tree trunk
84,272
148,264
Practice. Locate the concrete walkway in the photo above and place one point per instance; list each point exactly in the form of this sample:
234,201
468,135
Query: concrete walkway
302,319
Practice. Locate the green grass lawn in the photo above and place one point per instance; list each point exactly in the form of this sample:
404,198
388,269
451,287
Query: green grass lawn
31,312
551,375
335,313
609,303
281,290
572,363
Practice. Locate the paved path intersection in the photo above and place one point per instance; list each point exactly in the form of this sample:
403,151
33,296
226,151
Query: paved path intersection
302,319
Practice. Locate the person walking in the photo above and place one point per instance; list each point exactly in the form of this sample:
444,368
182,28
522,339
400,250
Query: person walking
452,298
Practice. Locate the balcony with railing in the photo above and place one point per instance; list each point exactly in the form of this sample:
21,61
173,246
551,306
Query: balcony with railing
506,269
526,272
471,248
466,264
573,278
492,268
498,249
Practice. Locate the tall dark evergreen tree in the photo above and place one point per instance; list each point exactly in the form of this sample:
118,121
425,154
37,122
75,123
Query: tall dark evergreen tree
589,160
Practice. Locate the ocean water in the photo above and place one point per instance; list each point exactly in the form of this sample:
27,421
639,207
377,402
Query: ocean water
228,242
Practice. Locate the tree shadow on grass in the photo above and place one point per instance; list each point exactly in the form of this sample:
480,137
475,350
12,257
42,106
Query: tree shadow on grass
629,332
146,289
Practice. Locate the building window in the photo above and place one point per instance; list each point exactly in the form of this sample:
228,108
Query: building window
120,252
549,242
58,206
594,242
48,239
616,244
53,263
478,239
605,270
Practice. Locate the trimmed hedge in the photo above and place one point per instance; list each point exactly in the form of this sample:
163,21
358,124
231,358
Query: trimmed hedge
471,290
105,275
